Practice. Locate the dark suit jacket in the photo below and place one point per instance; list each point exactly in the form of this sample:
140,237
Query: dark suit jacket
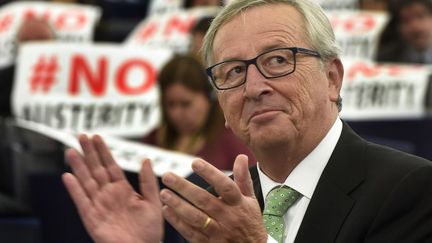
367,193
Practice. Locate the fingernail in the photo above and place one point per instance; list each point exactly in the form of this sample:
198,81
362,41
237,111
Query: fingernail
168,178
165,196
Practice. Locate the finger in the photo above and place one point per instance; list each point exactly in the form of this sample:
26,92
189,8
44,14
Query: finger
196,195
114,171
183,209
190,233
93,161
79,197
242,176
82,173
148,183
223,185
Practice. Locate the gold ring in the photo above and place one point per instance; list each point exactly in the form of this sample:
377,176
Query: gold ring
207,223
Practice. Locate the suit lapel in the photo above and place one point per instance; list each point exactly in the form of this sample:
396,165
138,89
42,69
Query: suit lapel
331,203
324,216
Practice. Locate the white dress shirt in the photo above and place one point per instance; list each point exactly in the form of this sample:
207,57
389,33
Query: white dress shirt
303,179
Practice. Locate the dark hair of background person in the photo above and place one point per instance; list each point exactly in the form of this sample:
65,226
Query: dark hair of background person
400,4
188,71
391,41
202,25
198,32
374,4
195,3
31,29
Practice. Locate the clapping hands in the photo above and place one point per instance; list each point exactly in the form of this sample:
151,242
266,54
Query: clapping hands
113,212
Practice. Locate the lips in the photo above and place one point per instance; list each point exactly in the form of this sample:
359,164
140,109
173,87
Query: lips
260,112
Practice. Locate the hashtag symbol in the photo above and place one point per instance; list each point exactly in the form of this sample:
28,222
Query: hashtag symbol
43,76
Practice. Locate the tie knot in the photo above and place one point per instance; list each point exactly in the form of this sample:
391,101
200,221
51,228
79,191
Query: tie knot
279,199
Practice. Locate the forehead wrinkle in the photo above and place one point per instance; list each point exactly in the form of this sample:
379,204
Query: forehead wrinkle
244,25
273,39
276,39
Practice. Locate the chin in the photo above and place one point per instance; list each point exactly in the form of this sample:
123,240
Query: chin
267,140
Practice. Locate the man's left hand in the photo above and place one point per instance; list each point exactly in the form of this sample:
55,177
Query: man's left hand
234,216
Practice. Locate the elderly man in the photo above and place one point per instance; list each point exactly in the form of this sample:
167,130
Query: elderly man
276,68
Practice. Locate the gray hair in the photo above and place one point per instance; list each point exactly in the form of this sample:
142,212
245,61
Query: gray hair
318,28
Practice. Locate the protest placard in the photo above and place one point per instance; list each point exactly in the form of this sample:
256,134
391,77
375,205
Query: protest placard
384,91
171,29
69,22
110,89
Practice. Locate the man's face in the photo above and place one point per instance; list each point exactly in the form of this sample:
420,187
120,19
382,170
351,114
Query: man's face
416,25
266,113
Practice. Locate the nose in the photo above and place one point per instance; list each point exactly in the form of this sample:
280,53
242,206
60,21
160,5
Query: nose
175,112
256,84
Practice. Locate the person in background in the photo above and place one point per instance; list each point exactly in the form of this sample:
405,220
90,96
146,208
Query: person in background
199,3
32,29
198,32
408,35
35,29
192,121
376,5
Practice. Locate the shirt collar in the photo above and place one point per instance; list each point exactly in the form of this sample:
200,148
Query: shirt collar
305,176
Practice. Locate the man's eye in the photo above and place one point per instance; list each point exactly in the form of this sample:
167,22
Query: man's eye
235,71
277,60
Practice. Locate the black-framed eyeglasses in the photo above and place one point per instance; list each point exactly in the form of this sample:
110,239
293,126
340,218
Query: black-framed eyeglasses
271,64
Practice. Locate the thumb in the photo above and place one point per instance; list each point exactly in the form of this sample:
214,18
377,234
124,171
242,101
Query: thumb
242,176
148,183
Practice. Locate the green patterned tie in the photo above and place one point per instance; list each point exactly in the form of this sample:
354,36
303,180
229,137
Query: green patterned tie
277,202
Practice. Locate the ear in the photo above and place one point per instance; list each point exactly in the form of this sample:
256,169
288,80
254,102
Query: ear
223,112
226,122
335,73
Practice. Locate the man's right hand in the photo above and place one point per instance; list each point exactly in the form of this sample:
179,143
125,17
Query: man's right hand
110,209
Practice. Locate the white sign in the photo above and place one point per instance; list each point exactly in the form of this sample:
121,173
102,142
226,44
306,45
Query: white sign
164,6
358,32
386,91
128,155
70,22
170,30
109,89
